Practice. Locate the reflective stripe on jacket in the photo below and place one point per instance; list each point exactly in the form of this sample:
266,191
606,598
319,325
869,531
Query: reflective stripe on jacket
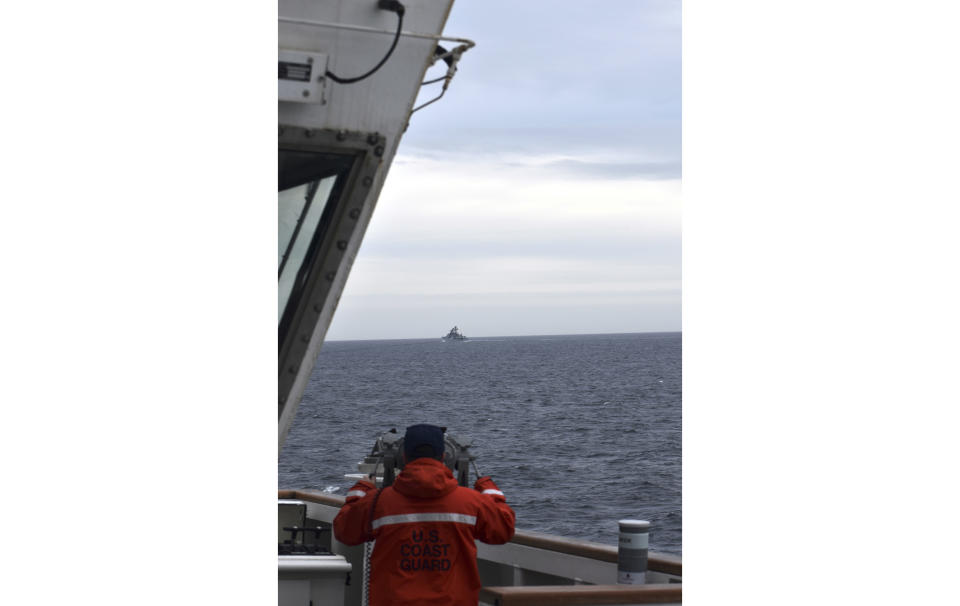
425,526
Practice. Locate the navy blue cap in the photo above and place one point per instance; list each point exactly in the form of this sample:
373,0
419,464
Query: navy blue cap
423,435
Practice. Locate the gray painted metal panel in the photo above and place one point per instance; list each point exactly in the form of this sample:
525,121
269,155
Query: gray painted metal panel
307,580
383,101
312,317
564,565
380,104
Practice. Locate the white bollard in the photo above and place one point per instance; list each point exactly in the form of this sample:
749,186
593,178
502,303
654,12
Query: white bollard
632,552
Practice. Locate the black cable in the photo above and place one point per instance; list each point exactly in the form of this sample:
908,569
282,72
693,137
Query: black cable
439,51
442,52
387,5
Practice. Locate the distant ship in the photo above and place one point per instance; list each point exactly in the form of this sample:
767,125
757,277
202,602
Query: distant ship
454,335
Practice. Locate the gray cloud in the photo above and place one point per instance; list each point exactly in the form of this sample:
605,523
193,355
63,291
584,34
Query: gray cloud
535,197
616,170
560,77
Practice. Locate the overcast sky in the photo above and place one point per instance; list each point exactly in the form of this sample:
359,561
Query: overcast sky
541,195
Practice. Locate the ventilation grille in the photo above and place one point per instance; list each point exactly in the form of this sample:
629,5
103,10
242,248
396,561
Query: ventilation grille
297,72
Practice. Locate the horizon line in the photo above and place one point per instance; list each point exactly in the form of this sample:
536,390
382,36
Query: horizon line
585,334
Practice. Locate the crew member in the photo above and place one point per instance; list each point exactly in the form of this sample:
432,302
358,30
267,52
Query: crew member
425,525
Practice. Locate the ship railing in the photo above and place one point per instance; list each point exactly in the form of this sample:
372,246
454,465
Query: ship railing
581,595
533,568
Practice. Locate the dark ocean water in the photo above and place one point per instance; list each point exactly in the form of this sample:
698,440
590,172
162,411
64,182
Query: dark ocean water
578,431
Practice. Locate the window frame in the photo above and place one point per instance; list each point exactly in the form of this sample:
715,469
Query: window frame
316,287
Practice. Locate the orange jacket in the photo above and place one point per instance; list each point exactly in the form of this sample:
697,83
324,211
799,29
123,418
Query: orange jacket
425,526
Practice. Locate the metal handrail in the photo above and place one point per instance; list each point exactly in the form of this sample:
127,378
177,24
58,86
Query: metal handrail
659,562
375,30
561,595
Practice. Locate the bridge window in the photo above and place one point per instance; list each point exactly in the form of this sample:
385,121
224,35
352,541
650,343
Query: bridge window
300,210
